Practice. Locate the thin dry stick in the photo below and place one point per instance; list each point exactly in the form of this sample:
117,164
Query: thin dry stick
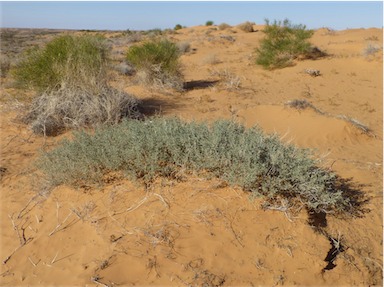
14,251
15,227
121,225
9,257
233,230
96,279
162,199
25,207
23,240
132,208
60,224
283,208
53,260
58,221
33,263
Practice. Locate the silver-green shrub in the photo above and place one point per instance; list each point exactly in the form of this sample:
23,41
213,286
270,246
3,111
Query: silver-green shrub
144,150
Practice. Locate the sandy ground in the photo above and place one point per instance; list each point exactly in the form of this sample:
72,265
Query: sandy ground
201,232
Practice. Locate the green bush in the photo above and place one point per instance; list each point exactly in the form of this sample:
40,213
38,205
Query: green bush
243,157
70,75
157,63
65,61
209,23
282,44
178,27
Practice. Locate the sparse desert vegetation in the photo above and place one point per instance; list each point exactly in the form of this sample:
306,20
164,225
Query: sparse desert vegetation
174,153
283,43
157,63
70,77
242,157
246,26
65,61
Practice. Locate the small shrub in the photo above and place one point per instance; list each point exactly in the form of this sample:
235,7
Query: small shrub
230,81
371,50
157,63
184,47
134,37
246,27
178,27
242,157
209,23
224,26
283,43
153,32
65,61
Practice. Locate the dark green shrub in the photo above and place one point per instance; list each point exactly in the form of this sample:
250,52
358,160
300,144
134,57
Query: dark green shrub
209,23
243,157
282,44
65,61
178,27
157,63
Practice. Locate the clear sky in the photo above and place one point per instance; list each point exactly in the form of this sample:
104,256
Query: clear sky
144,15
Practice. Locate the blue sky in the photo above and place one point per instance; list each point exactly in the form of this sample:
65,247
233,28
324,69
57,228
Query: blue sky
143,15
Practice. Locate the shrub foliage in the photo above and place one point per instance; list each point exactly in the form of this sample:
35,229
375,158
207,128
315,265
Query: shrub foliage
70,75
243,157
66,60
157,62
283,43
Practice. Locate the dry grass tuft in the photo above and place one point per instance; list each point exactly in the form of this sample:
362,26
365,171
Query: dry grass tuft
246,27
224,26
302,105
229,80
54,111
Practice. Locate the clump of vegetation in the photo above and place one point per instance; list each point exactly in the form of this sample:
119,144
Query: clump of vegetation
133,36
224,26
157,63
178,27
153,33
70,75
282,44
246,27
371,50
74,107
247,158
209,23
65,61
184,47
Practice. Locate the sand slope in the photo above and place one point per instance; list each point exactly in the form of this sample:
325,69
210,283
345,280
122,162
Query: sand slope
201,232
